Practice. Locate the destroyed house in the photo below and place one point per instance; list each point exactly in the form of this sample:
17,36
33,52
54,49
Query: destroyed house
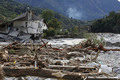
5,27
29,23
26,23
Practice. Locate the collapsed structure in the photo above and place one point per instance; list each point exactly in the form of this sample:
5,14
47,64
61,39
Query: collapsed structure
26,23
29,23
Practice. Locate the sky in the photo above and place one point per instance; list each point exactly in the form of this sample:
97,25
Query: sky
119,0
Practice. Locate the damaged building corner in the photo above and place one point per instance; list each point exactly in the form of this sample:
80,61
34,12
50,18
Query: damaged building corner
23,27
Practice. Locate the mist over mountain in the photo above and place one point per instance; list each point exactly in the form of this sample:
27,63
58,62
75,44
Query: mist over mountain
78,9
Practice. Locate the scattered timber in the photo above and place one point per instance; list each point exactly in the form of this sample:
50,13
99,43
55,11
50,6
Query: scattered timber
43,60
50,73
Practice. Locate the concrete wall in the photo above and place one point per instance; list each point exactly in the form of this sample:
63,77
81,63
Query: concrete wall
42,26
20,25
32,27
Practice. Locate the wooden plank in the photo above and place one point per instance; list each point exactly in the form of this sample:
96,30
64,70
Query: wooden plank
60,66
48,73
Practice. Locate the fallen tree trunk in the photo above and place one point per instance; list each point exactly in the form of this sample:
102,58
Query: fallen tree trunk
103,49
50,73
70,67
82,69
59,66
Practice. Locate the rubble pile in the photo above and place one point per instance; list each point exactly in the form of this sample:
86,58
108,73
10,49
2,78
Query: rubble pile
15,36
43,60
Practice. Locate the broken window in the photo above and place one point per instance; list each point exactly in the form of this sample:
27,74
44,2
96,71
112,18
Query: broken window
25,24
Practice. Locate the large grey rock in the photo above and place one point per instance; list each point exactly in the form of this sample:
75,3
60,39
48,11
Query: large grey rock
105,69
118,76
116,70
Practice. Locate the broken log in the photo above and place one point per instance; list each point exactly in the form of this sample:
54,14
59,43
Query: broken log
82,69
100,47
49,73
57,49
44,44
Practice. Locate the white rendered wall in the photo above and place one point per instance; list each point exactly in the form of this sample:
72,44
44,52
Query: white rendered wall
20,25
33,27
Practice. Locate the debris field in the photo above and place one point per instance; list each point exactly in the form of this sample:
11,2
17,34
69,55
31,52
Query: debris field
42,60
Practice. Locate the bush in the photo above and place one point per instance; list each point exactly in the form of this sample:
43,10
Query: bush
94,38
50,32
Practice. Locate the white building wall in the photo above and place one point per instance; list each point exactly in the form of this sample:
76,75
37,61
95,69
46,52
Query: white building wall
20,25
42,26
33,27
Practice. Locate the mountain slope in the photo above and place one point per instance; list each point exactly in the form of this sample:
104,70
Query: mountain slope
9,9
78,9
108,24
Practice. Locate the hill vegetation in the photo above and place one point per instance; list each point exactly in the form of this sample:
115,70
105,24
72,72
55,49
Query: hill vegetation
110,23
9,9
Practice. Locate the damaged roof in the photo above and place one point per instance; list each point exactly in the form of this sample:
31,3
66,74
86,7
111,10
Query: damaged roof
21,16
28,16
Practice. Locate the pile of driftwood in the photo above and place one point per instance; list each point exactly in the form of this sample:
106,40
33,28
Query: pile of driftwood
45,61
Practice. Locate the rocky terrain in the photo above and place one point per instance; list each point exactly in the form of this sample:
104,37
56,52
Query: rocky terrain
107,60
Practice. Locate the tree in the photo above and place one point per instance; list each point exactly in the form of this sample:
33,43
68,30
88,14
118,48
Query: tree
112,14
47,15
2,18
107,24
76,30
50,32
54,23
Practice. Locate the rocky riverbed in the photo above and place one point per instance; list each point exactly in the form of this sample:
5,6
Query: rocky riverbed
109,60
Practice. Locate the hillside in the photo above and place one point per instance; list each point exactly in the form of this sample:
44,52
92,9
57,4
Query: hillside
109,24
78,9
9,9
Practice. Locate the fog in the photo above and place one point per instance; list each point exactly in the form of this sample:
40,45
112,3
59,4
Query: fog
74,13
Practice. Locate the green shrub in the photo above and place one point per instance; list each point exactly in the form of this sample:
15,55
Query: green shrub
94,38
50,32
